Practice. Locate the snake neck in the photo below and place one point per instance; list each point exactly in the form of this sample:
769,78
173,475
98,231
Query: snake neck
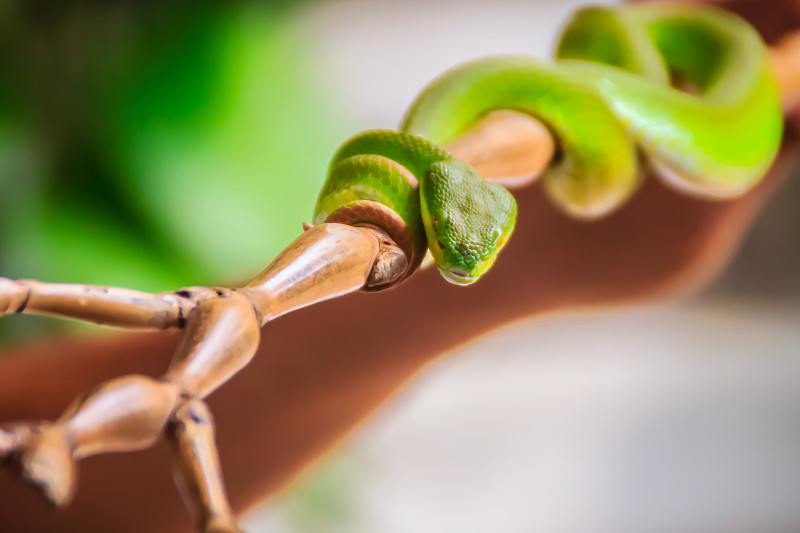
374,178
412,152
423,197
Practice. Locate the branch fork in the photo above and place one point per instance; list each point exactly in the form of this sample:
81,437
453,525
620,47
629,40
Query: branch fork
221,331
220,334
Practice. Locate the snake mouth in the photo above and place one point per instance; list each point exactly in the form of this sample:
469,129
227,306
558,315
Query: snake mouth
457,277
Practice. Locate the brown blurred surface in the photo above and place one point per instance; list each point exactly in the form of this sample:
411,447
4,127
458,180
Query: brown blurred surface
321,370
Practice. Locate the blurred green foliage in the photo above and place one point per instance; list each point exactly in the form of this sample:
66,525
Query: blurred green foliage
160,145
155,146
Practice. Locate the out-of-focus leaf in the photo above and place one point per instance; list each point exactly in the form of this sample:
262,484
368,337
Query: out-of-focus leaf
157,146
223,136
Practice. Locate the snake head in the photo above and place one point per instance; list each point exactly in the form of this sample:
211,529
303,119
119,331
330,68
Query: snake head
467,220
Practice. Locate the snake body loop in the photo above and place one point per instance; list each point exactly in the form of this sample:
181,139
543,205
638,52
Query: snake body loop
686,88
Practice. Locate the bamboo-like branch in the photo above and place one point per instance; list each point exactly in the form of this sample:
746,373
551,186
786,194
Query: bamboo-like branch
195,464
112,306
220,336
221,328
221,333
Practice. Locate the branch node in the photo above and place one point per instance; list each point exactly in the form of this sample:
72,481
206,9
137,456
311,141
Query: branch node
391,264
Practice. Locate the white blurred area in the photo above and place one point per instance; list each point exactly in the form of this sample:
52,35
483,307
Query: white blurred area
677,418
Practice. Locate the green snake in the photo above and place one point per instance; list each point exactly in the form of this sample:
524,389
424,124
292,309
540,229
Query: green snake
687,89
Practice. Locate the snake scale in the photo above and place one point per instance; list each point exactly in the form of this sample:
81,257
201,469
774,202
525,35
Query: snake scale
682,88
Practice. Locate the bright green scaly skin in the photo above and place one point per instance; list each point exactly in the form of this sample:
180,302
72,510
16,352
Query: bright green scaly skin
606,99
443,202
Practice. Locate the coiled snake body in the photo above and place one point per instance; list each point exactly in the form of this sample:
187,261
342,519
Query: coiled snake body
610,98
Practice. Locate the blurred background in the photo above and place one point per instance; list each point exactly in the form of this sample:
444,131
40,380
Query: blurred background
145,148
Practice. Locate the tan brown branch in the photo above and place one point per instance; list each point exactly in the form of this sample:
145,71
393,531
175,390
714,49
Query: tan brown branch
111,306
195,464
221,329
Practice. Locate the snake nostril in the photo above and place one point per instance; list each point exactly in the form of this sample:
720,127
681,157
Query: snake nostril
441,244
